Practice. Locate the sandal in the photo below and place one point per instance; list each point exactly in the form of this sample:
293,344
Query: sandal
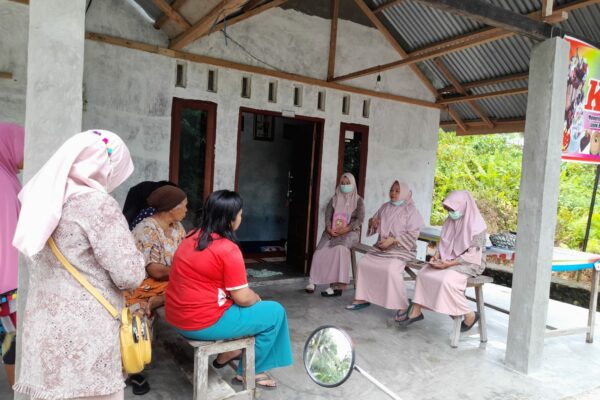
238,380
357,306
409,320
139,384
218,365
310,288
464,327
401,316
330,292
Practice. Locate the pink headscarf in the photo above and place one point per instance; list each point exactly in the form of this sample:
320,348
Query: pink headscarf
12,138
344,204
95,160
396,220
457,235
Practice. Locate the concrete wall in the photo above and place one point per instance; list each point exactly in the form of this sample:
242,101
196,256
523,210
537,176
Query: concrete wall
131,92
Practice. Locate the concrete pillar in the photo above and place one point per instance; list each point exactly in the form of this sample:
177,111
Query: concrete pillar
54,91
538,200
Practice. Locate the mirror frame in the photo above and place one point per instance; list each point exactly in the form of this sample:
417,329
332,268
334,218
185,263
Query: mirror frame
306,350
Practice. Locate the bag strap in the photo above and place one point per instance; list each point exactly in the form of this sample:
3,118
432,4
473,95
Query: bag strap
84,282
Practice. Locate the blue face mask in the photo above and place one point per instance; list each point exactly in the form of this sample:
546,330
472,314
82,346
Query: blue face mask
345,188
397,203
455,215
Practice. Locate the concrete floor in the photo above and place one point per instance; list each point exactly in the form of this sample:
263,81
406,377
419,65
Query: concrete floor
416,363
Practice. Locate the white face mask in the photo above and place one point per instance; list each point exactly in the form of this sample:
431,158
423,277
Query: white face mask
346,188
397,203
455,215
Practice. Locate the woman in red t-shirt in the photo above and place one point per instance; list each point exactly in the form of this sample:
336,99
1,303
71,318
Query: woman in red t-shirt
208,297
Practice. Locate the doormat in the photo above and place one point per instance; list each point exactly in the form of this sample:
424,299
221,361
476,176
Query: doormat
262,273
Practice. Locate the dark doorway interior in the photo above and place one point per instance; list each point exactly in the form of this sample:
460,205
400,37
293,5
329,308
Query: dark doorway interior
277,175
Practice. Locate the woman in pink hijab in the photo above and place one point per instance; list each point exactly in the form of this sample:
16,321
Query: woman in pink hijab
441,285
331,261
70,341
380,273
12,138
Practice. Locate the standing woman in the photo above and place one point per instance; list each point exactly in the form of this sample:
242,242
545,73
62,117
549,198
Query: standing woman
208,296
381,272
441,285
11,161
70,342
343,217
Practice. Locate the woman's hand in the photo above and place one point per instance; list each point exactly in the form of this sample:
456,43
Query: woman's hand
153,303
374,223
343,231
438,264
332,232
386,243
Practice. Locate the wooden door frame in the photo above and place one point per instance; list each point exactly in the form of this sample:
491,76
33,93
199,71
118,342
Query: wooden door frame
316,178
211,133
364,150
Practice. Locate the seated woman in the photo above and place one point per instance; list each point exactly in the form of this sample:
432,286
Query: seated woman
136,206
157,237
208,296
441,285
381,272
331,261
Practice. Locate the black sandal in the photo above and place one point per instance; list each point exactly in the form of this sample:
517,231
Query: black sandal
464,327
139,384
218,365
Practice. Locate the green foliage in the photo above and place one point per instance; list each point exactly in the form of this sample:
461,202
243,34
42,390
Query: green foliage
489,166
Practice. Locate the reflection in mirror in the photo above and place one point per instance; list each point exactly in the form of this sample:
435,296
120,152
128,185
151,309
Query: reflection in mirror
329,356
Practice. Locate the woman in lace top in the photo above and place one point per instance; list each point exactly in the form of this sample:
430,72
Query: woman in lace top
440,286
70,342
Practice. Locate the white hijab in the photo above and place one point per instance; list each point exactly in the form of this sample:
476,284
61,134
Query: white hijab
95,160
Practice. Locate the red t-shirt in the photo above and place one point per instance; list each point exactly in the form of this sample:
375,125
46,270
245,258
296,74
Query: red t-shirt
200,282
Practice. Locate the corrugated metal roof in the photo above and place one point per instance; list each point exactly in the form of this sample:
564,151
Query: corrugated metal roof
419,26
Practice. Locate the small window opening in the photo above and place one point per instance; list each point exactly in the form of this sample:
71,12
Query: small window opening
273,92
298,96
346,105
366,108
180,74
211,85
246,87
321,100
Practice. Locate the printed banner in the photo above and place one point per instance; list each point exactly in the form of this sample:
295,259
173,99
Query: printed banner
581,135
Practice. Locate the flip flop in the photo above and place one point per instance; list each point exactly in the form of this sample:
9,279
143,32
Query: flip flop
139,384
359,306
464,327
401,316
237,381
218,365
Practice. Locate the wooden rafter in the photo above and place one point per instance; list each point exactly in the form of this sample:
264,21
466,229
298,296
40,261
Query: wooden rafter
204,25
466,41
460,89
26,2
463,99
487,82
172,14
6,75
164,18
387,5
251,4
335,10
130,44
394,43
480,127
456,118
493,15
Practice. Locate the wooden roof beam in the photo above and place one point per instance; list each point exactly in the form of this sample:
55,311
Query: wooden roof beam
465,99
392,41
493,15
6,75
459,88
480,128
172,14
465,41
486,82
456,118
130,44
204,25
250,5
335,11
164,18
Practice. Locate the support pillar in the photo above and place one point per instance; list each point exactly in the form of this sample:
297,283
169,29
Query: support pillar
538,200
54,94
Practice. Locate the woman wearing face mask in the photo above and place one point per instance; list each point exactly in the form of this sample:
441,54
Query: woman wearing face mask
343,217
380,273
441,285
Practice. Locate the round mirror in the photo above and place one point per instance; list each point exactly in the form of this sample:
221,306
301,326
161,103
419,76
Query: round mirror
329,356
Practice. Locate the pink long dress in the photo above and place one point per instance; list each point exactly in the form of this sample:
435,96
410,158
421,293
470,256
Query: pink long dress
381,273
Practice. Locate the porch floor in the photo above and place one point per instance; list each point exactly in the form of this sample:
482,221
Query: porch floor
416,363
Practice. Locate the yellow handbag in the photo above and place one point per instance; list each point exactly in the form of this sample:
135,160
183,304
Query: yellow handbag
136,347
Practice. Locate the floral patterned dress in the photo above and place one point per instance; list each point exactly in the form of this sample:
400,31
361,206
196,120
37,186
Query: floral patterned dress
70,342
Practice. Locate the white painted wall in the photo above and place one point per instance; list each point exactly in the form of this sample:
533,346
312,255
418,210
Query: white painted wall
131,92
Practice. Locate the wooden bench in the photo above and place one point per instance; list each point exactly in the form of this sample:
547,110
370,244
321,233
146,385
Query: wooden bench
412,266
208,385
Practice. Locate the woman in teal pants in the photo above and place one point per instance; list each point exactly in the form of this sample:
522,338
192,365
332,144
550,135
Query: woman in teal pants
208,297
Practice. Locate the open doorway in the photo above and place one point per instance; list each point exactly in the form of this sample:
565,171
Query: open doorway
277,174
